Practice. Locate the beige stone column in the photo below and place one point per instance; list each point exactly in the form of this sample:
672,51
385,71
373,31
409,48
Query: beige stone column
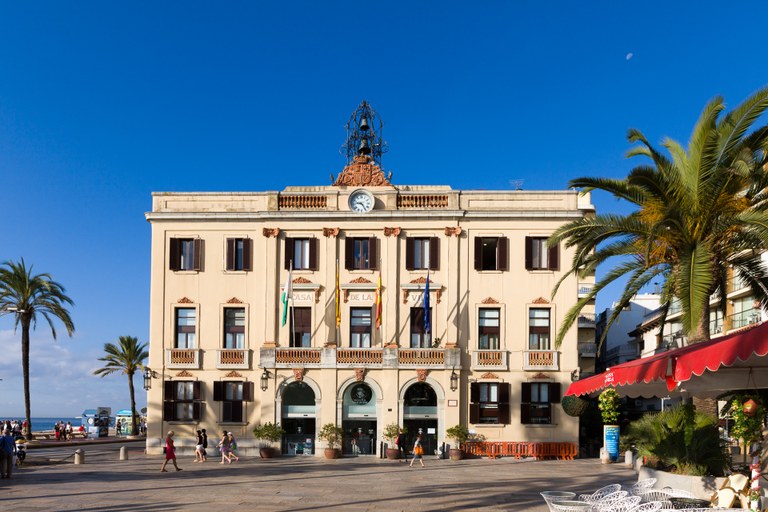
390,279
271,273
452,294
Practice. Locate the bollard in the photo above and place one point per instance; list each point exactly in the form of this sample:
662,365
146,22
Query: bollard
123,453
79,456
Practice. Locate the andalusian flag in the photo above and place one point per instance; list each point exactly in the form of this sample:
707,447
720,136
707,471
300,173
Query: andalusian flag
338,301
378,303
287,295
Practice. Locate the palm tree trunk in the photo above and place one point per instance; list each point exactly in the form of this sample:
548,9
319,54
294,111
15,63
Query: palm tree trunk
25,370
700,331
134,426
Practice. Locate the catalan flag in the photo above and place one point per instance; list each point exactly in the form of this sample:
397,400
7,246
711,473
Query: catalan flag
378,303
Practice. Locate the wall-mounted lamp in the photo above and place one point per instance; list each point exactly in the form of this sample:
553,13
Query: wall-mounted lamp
454,380
148,376
265,380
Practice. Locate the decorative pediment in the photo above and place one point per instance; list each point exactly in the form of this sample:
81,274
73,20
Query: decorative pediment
184,373
361,280
234,374
391,231
490,300
298,374
301,280
270,232
541,300
489,375
420,280
185,300
362,172
420,284
421,375
234,300
452,231
330,232
540,375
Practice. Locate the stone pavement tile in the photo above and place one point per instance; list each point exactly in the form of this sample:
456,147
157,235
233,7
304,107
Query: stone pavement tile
302,485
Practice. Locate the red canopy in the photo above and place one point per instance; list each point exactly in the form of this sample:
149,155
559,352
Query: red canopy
735,361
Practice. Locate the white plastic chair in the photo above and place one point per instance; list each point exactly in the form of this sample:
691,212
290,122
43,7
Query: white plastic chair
651,506
550,496
600,493
641,485
570,506
616,502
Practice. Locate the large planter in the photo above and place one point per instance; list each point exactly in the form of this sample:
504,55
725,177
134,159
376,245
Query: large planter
455,454
393,453
267,452
332,453
701,486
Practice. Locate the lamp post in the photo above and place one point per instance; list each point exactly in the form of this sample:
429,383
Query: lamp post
265,380
454,380
148,376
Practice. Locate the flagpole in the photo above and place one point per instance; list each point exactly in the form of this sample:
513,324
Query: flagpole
290,302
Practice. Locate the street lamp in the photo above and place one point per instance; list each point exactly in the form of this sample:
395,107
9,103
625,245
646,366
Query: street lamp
148,376
265,380
454,380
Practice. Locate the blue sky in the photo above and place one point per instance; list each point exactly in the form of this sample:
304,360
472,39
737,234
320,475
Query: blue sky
102,103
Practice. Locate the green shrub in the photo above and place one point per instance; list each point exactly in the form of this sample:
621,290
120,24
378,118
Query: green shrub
609,402
574,405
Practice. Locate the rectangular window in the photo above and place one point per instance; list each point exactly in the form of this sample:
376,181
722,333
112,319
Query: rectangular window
185,253
301,327
489,330
422,253
360,328
491,253
232,395
361,253
301,253
536,402
420,338
489,403
239,254
182,400
186,328
538,329
234,328
538,256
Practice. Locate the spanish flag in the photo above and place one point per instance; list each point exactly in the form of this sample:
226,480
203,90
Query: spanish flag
338,301
378,303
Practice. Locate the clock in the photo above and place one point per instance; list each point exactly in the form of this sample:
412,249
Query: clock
361,201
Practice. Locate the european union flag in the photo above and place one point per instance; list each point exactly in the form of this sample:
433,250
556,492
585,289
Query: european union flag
427,323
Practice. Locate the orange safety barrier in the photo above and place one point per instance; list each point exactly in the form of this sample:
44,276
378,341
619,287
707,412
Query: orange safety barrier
520,449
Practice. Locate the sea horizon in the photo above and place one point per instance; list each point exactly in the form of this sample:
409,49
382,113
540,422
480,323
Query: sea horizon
41,424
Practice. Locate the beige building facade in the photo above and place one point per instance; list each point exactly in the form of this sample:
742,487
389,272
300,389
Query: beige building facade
307,306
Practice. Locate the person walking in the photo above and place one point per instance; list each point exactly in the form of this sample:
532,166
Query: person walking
7,451
118,427
418,452
224,448
402,453
232,447
170,452
199,450
205,444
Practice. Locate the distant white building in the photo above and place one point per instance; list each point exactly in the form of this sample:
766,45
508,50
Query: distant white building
619,346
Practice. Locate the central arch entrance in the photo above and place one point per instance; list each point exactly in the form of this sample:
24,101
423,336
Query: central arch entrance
420,416
359,420
298,419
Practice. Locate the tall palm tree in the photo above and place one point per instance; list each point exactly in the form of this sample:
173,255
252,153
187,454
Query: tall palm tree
127,357
698,212
28,297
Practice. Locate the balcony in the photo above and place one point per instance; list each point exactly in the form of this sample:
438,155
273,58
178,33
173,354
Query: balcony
287,357
421,357
585,289
541,360
587,320
622,353
490,360
588,350
345,357
233,359
182,358
744,318
359,357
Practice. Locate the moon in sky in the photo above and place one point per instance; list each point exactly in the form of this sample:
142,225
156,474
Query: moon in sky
630,55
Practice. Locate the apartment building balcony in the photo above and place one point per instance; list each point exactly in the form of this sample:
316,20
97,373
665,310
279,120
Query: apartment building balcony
534,360
345,357
585,289
744,318
490,360
588,350
622,353
182,358
233,359
587,320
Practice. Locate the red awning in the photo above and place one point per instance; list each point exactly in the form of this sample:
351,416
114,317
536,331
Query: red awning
699,366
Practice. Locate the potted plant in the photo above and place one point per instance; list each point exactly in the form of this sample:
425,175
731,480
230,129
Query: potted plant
608,403
270,432
332,435
391,432
459,434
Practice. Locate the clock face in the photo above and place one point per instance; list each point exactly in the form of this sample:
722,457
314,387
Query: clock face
361,201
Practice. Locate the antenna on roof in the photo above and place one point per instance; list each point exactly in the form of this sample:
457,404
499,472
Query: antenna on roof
517,184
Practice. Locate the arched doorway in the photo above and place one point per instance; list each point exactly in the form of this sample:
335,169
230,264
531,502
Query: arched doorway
359,419
298,419
420,416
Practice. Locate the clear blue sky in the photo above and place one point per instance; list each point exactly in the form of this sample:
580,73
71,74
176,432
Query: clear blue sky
102,103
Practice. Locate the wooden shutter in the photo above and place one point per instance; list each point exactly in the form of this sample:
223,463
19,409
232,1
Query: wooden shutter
196,390
409,253
525,405
248,391
474,406
502,253
504,392
197,409
478,253
554,253
289,248
169,390
554,393
528,253
218,391
231,250
247,254
313,253
236,412
168,410
349,253
434,253
169,395
173,261
197,260
373,252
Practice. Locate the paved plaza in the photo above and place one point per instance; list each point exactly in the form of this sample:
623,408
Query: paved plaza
296,484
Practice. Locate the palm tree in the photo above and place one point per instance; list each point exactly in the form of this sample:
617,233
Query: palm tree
127,357
29,297
698,212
